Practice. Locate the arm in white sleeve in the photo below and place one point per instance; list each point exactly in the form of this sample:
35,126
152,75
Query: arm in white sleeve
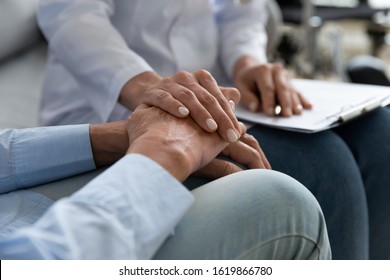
242,31
82,37
33,156
125,213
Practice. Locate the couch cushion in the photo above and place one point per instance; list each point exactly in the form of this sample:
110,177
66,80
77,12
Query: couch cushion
20,87
18,26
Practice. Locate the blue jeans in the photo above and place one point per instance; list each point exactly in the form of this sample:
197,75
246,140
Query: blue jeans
348,171
254,214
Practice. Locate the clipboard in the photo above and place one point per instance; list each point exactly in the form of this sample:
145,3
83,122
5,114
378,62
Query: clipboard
334,103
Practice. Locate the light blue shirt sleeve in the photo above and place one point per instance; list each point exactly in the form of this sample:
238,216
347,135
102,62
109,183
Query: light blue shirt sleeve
34,156
125,213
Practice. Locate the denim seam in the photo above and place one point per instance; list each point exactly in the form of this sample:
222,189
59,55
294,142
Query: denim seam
271,240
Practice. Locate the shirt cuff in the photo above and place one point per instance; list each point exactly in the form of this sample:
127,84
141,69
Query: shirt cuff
119,81
41,155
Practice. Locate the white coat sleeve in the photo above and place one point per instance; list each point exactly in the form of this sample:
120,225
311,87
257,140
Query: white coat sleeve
242,31
82,37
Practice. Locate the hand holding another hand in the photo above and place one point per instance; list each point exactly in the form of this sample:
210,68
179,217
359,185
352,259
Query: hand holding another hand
187,94
179,145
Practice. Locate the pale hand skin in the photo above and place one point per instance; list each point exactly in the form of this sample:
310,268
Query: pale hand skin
264,86
179,145
187,94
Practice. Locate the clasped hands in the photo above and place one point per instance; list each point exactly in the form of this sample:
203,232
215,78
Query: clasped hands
190,118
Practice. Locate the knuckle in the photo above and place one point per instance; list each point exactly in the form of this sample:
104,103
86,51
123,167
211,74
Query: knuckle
254,154
265,67
204,74
208,98
232,93
278,67
227,169
184,76
222,118
161,96
184,94
251,141
269,88
285,89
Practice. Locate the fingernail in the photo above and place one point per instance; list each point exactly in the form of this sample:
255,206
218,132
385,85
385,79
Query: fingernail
232,136
232,104
299,107
288,112
253,106
271,111
183,111
211,124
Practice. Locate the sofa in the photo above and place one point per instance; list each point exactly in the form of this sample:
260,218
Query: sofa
22,63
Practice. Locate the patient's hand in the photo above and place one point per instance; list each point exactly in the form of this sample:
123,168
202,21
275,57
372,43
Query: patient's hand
179,145
245,153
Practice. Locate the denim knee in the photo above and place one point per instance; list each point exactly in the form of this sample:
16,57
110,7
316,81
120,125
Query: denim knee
295,220
253,214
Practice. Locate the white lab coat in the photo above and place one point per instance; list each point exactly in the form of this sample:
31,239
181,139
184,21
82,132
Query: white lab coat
96,46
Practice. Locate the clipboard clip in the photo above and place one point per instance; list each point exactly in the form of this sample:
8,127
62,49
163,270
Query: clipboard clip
357,111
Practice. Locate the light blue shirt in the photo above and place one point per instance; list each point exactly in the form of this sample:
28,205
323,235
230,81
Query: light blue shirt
97,46
125,213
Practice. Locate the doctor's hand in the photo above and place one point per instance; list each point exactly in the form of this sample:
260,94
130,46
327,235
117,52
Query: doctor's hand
265,86
187,94
246,152
178,144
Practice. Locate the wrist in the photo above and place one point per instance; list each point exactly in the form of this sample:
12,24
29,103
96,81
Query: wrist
109,142
243,63
130,95
172,160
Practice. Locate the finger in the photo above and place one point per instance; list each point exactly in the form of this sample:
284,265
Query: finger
283,90
212,101
231,94
163,99
211,96
218,168
251,141
244,154
243,128
305,103
249,97
296,104
266,85
190,101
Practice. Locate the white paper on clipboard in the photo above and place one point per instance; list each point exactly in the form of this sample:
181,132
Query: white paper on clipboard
333,104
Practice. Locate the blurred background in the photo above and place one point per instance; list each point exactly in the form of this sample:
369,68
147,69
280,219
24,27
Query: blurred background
320,38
